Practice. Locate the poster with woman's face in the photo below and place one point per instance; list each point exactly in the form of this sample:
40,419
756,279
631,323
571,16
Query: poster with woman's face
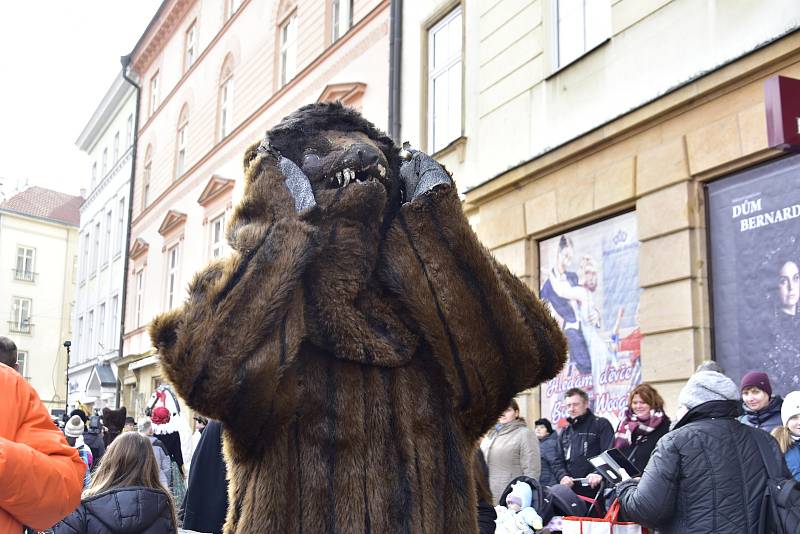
589,279
754,249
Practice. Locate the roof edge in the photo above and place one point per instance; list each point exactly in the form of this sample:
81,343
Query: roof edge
115,95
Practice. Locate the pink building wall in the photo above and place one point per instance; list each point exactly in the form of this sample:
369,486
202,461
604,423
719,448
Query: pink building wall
248,40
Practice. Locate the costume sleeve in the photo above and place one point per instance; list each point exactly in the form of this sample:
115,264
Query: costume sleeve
41,477
228,347
488,332
530,456
652,501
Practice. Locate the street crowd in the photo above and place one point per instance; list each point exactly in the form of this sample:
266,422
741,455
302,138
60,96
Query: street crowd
707,471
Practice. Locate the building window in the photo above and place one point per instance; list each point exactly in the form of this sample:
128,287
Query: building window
129,132
180,158
94,174
107,237
79,347
120,225
172,275
105,164
191,46
21,316
22,362
148,167
112,341
225,100
116,149
153,94
288,50
581,26
139,297
96,248
89,334
217,236
231,7
444,81
341,18
25,258
85,252
101,326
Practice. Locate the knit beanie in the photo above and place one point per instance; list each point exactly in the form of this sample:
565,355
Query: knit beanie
74,427
791,407
79,413
756,379
707,386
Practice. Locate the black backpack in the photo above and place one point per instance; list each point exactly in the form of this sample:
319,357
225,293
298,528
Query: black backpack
780,509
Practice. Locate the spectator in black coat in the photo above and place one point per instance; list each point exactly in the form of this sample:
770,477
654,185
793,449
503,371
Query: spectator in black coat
643,424
586,436
125,494
707,475
206,501
553,469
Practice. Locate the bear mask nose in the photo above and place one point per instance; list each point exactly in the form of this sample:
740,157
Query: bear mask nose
360,156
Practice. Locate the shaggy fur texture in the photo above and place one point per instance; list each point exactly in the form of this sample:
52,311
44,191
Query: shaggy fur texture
113,420
355,353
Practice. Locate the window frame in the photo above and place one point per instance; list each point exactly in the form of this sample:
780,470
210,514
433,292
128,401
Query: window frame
84,274
23,369
129,132
225,105
153,104
287,46
190,46
16,323
139,300
231,7
113,320
89,333
336,16
104,168
181,144
105,252
216,249
28,275
147,171
433,72
101,324
554,39
96,249
173,263
115,152
120,238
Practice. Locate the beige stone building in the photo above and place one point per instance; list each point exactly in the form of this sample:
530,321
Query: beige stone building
214,77
556,116
39,266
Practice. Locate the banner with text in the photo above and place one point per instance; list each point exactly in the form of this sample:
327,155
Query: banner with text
590,281
754,238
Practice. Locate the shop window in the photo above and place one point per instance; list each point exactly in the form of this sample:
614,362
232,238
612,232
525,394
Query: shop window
341,18
581,25
444,81
288,50
25,262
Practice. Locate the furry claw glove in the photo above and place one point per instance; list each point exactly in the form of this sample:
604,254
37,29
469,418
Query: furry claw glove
420,174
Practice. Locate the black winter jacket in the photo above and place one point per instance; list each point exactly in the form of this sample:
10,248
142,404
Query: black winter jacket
94,441
121,511
705,477
586,436
206,501
553,469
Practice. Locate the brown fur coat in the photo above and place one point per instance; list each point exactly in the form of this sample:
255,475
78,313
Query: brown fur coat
354,369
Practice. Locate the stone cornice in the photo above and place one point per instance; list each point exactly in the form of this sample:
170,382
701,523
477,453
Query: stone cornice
140,246
345,92
158,33
110,175
172,220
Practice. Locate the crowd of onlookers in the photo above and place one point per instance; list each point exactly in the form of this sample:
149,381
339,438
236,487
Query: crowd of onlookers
699,473
703,472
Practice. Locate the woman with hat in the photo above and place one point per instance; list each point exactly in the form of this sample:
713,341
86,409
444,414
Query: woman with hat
761,409
73,431
788,435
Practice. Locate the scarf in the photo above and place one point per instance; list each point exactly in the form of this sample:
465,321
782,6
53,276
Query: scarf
631,424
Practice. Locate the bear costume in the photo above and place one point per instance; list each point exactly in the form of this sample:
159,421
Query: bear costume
358,341
114,421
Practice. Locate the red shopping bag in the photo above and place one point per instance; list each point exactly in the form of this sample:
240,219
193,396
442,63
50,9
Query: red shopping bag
606,525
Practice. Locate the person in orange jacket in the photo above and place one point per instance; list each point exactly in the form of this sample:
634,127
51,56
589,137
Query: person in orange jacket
41,477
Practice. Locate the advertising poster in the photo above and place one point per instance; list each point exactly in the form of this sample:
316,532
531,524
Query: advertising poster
590,282
754,233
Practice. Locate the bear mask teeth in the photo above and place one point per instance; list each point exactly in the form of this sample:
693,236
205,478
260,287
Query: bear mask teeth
347,175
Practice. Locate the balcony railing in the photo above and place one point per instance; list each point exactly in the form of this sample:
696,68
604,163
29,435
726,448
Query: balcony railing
20,327
25,276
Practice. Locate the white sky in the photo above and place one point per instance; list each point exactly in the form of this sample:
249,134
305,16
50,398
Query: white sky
57,59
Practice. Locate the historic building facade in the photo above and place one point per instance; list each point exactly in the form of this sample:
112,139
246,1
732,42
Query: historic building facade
108,140
586,136
214,76
39,266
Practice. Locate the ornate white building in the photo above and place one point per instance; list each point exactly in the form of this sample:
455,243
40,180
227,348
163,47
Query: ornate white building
97,320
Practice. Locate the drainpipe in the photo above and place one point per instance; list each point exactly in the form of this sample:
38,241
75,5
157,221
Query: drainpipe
126,62
395,57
